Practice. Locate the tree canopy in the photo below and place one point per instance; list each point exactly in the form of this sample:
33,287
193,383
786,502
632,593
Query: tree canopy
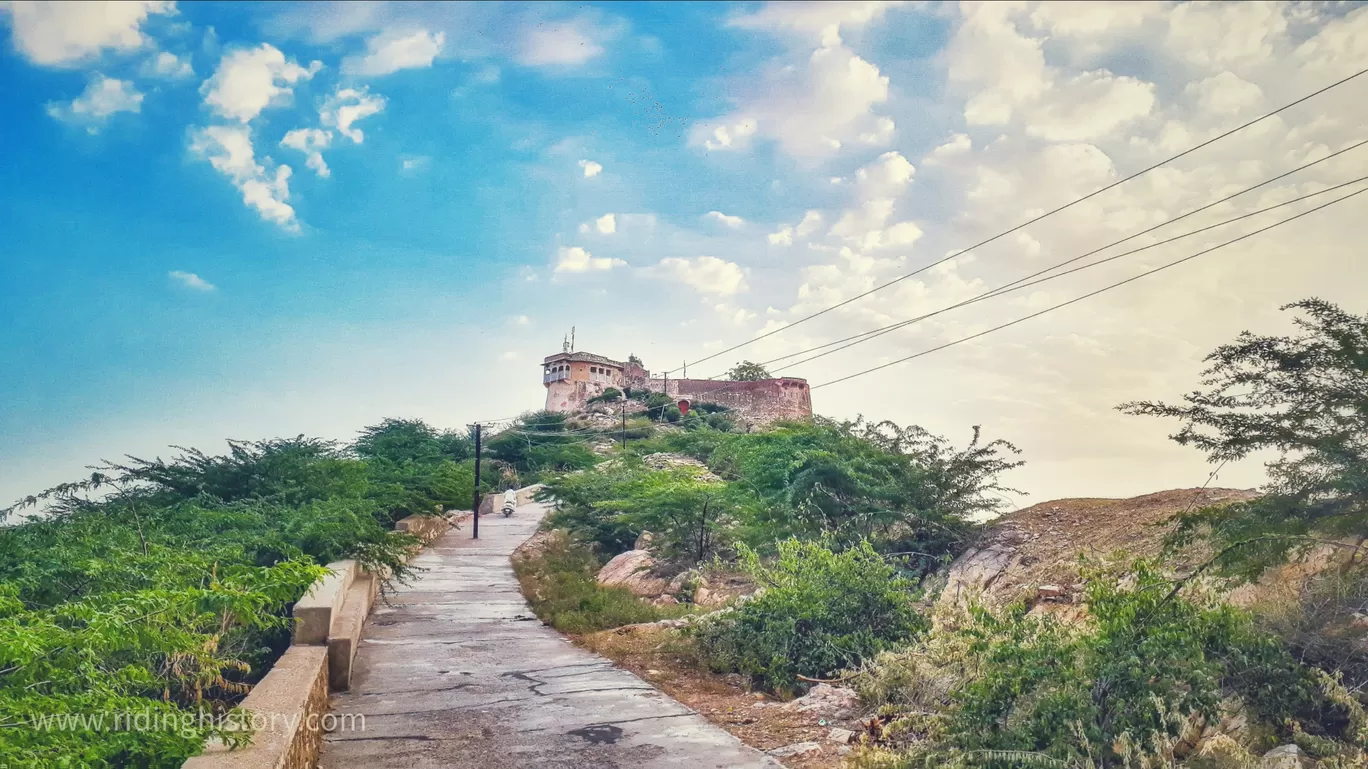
1303,397
746,371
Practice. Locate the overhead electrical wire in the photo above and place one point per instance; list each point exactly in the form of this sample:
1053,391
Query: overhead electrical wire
1033,220
1019,285
1010,286
1091,293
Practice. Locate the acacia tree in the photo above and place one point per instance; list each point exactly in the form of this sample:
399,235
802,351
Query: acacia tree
746,371
1304,397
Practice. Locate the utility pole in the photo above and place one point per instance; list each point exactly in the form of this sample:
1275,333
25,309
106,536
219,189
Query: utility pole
477,481
624,422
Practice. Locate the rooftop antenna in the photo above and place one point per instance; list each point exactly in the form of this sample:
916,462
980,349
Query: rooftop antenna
572,338
565,344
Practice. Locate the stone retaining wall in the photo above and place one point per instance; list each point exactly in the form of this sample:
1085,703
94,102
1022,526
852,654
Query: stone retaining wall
287,704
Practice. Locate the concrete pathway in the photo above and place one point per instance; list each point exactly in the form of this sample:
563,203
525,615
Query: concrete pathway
457,672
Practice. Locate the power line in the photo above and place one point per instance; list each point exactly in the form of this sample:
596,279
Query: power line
1029,222
1009,286
1091,293
1017,285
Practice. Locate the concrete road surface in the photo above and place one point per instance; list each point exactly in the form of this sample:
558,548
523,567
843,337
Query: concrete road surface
457,672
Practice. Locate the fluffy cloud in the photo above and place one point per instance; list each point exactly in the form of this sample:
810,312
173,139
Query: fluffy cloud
725,220
814,19
705,274
604,225
69,33
229,150
168,65
812,108
346,107
782,237
576,259
561,43
190,280
956,146
248,80
103,96
591,168
387,53
310,141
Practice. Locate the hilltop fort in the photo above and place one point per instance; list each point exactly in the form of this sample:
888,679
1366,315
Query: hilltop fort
572,378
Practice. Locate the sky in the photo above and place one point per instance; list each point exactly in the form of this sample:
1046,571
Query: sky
249,220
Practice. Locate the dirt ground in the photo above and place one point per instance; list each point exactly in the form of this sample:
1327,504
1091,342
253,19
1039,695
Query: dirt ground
657,655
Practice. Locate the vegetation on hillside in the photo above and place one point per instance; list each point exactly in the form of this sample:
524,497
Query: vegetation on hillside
1304,397
838,522
159,590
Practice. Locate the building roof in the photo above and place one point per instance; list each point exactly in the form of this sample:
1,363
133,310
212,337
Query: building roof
580,357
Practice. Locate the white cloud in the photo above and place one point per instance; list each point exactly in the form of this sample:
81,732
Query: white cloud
310,141
191,280
103,96
509,355
1224,94
1090,105
813,18
812,108
576,259
248,80
346,107
811,221
560,43
723,219
60,34
590,168
705,274
520,320
959,144
229,150
412,164
887,175
168,65
387,53
606,224
784,237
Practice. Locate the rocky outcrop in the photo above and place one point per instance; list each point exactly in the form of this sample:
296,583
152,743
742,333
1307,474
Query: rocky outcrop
1033,553
827,701
633,570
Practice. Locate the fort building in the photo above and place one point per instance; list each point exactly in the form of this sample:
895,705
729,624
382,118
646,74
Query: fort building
573,378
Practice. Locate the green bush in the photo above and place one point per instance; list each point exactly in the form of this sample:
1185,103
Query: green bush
1124,682
168,593
609,395
820,612
559,582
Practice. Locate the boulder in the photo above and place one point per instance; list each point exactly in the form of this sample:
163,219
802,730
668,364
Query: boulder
643,541
632,570
1286,757
827,701
841,736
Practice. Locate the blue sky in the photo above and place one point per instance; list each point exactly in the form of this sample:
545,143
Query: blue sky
669,178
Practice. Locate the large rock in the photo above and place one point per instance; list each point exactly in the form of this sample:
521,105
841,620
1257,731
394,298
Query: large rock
632,570
827,701
1286,757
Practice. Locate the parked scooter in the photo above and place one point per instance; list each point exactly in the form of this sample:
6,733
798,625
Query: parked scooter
510,501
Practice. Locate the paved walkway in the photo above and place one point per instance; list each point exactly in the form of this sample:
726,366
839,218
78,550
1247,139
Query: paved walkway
457,672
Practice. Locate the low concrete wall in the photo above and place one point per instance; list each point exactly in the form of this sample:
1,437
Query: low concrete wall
328,624
286,707
314,612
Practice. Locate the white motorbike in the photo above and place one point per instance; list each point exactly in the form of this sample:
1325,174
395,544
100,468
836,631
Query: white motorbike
508,505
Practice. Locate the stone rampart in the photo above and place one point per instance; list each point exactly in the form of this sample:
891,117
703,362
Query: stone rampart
755,403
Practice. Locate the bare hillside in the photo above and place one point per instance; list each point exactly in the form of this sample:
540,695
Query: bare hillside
1034,552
